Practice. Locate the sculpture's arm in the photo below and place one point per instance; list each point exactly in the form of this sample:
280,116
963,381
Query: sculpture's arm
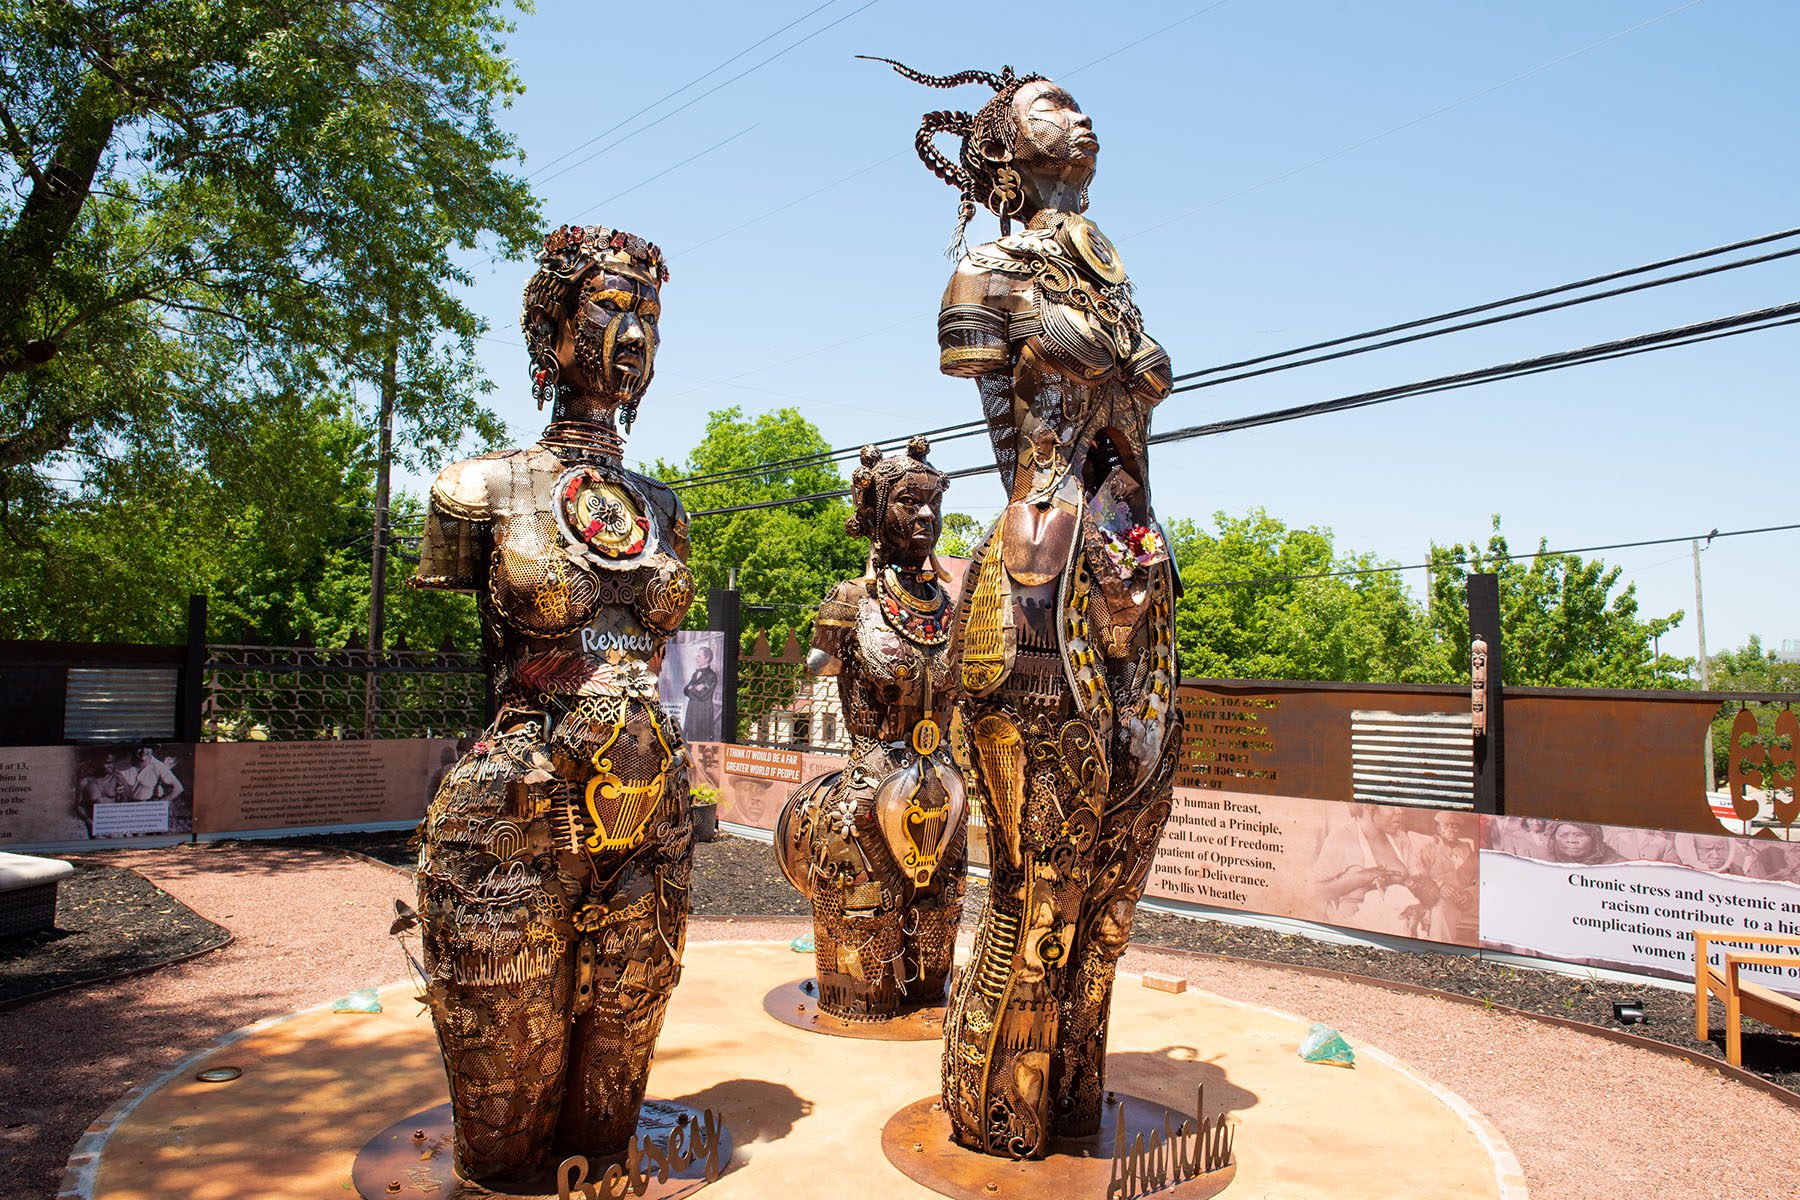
456,522
977,308
832,628
1149,374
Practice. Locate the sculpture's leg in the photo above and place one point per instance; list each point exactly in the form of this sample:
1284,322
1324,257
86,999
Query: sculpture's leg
500,1022
1004,1026
1126,847
636,951
932,924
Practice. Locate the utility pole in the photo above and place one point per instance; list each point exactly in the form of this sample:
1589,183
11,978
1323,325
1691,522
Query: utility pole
390,386
1712,780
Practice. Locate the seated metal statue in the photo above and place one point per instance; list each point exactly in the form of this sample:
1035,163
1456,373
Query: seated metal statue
553,875
1065,637
878,847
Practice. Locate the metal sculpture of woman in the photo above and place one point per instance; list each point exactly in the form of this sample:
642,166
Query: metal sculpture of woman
553,876
878,847
1065,638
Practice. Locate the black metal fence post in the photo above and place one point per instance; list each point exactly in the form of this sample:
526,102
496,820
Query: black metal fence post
723,614
1489,751
193,673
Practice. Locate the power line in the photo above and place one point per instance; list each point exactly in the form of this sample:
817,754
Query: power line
846,452
614,128
709,91
1608,294
666,170
1748,322
1507,557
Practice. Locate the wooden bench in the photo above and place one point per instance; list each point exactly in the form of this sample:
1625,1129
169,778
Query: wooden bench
1742,998
28,892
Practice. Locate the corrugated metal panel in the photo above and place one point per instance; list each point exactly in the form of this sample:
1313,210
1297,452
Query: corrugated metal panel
1412,758
121,704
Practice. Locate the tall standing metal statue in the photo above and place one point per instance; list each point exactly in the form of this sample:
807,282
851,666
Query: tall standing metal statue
1065,638
553,876
878,847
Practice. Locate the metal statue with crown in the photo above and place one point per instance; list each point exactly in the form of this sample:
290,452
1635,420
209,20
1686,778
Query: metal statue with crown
1065,635
878,846
555,857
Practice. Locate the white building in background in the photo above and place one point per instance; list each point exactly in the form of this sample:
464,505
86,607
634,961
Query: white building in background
1789,652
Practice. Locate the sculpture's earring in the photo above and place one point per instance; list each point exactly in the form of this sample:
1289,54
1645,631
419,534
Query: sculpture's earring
628,414
1007,195
544,379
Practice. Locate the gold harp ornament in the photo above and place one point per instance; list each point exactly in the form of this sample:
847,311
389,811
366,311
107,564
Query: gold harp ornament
621,808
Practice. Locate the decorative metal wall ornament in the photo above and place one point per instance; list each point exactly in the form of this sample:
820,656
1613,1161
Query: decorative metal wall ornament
1065,640
1478,686
878,847
554,861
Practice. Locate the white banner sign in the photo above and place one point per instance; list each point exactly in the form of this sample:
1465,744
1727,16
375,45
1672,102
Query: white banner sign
1636,913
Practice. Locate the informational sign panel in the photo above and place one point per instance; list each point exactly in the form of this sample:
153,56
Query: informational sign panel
289,785
692,684
60,794
754,782
1609,896
1379,868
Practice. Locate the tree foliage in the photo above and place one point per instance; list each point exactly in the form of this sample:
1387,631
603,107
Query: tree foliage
1260,602
1562,621
222,225
1750,668
786,558
287,562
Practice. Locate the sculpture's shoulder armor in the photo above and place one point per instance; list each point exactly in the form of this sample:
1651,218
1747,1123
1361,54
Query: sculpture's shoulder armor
671,513
979,302
477,489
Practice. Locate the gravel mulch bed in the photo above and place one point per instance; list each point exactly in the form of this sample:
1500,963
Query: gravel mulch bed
108,921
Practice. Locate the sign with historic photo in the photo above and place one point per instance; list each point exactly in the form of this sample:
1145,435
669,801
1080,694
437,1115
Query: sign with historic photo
59,794
754,782
286,785
1379,868
1610,896
691,685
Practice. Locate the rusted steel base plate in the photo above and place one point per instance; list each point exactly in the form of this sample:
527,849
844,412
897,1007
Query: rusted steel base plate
797,1004
422,1166
917,1141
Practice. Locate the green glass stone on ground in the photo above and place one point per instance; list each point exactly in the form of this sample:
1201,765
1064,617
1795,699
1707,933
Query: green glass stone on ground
363,1000
1326,1045
803,945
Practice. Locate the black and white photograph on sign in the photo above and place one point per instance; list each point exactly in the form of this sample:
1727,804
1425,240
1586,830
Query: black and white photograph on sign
140,789
692,683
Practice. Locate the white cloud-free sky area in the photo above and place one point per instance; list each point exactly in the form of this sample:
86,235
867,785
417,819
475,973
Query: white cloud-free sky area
1275,172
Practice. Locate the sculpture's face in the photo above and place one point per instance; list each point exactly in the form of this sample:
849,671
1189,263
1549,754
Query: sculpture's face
1053,131
608,342
912,519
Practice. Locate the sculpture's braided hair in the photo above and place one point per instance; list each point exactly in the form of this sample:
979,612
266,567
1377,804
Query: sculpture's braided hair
871,483
988,139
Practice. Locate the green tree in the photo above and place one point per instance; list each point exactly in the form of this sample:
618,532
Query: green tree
787,557
210,203
120,551
1563,621
961,532
1750,668
1260,601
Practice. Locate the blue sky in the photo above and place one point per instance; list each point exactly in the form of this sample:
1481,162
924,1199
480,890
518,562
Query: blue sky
1275,172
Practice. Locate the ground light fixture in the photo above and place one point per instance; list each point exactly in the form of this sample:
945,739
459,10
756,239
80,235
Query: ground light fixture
1629,1012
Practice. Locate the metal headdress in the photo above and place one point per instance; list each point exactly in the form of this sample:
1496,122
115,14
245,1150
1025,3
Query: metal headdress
984,171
